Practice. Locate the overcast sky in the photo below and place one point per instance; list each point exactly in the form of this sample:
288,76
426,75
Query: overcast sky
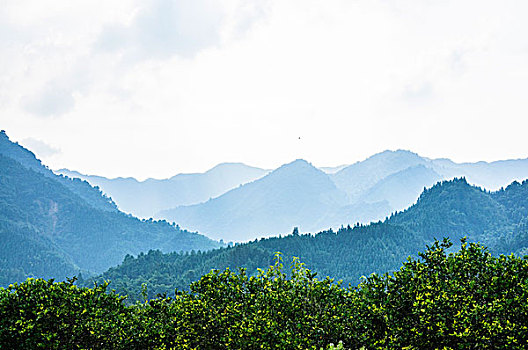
151,88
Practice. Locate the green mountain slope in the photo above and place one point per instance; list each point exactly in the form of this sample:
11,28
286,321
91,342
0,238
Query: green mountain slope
449,209
47,230
26,253
91,195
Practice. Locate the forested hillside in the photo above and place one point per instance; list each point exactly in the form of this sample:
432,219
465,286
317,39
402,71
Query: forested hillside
92,196
47,230
449,209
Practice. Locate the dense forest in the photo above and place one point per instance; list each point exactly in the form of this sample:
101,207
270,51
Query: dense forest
469,299
49,230
451,209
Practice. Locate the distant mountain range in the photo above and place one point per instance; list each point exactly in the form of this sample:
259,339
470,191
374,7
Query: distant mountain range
408,169
298,194
53,226
145,199
451,209
57,226
235,202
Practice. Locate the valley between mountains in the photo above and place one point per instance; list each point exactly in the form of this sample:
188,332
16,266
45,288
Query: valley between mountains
347,222
369,244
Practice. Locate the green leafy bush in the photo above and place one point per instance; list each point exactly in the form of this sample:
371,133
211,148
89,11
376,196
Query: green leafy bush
50,315
464,300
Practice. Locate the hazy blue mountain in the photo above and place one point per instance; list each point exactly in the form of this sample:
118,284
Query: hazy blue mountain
296,194
491,176
398,177
48,230
146,198
357,178
358,212
402,188
376,187
333,169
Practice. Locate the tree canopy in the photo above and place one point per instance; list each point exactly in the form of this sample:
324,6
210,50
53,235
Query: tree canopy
468,299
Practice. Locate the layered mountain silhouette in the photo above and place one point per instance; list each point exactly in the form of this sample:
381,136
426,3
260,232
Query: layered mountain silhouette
146,198
58,226
235,202
362,177
402,188
359,177
296,194
452,209
53,226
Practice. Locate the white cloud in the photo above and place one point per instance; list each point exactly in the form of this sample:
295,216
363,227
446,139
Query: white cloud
165,27
184,85
40,148
51,101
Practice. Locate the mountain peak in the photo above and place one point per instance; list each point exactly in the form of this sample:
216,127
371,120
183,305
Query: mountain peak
296,193
457,184
298,163
19,153
399,153
360,176
298,167
231,166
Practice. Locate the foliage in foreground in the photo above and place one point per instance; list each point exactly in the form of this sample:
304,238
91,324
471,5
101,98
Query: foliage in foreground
463,300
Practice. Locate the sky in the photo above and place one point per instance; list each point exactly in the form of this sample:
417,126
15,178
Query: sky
152,88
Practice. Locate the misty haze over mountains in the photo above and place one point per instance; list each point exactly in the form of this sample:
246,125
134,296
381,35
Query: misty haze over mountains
295,194
54,226
145,199
236,202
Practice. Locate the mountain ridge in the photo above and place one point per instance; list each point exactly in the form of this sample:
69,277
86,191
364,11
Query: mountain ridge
146,198
93,196
58,232
287,189
384,183
452,208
